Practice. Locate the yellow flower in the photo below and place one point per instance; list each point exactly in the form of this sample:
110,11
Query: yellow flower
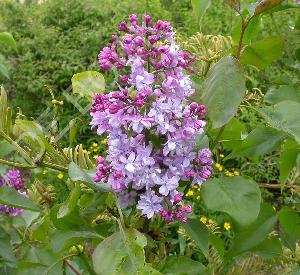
104,141
203,219
221,156
227,226
219,166
229,174
60,176
236,173
45,172
94,144
210,221
190,193
198,198
196,186
95,157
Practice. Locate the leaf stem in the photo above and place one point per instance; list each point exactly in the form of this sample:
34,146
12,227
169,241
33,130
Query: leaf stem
16,164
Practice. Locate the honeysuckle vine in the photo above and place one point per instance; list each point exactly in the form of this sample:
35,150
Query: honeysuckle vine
150,121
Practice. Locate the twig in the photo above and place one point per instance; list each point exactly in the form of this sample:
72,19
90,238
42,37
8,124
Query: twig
68,263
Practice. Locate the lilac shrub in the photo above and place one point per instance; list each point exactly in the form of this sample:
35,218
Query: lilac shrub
14,180
150,122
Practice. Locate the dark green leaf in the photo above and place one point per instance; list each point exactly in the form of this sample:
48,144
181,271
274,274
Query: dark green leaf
235,196
284,116
181,265
223,91
282,93
263,52
11,197
88,83
199,233
255,233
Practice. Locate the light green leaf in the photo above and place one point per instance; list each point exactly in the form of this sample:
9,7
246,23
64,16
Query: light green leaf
7,38
235,196
181,265
11,197
223,92
4,71
199,233
201,142
116,255
88,83
263,52
255,233
282,93
78,174
288,159
260,141
200,7
5,148
284,116
252,30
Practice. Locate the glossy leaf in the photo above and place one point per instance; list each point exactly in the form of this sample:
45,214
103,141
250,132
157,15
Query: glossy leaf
200,7
116,255
181,265
284,116
223,92
11,197
199,233
255,233
282,93
235,196
88,83
263,52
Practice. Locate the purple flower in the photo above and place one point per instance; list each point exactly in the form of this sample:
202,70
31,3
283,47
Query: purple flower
150,204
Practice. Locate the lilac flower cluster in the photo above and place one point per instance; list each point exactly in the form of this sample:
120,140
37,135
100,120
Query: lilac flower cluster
150,123
14,180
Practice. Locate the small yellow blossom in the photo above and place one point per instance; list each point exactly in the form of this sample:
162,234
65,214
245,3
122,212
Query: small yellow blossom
94,144
45,172
196,186
219,166
190,193
227,226
60,176
198,198
210,221
221,156
203,219
229,174
95,157
236,173
104,141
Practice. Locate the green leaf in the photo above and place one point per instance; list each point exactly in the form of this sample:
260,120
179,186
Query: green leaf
288,159
7,38
282,93
201,142
260,141
181,265
289,221
264,5
69,205
88,83
263,52
11,197
65,239
284,116
5,148
4,71
78,174
251,31
120,254
199,233
255,233
235,196
73,131
200,7
217,242
270,247
223,92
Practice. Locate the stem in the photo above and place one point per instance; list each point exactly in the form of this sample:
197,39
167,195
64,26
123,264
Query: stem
57,262
68,263
146,225
16,164
54,166
275,186
214,143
